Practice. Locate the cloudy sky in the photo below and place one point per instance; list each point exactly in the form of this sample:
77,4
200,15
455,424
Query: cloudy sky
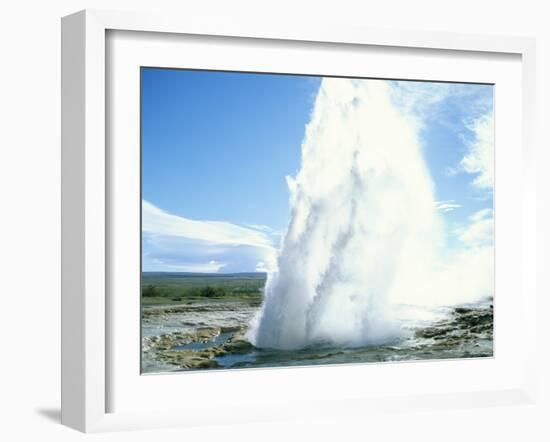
217,148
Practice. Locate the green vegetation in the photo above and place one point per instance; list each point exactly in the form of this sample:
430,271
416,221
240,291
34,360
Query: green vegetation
149,291
182,288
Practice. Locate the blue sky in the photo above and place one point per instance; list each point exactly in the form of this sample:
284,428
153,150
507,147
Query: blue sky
217,146
211,149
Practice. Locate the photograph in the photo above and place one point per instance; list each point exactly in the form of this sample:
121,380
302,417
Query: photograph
301,220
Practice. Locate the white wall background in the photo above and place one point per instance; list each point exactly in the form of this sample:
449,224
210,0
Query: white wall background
30,220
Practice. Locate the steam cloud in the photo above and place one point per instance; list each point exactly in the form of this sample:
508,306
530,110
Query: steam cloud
365,235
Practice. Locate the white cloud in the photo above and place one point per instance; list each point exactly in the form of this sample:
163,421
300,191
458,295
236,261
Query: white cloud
451,171
420,98
260,267
260,227
158,221
480,231
208,267
176,243
423,102
446,206
480,157
482,214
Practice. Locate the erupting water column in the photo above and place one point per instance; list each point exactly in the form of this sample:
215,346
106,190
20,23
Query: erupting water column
363,228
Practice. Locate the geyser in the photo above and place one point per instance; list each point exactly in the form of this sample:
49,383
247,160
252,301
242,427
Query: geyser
364,235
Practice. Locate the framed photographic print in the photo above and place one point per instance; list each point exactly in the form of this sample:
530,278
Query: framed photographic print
344,230
251,212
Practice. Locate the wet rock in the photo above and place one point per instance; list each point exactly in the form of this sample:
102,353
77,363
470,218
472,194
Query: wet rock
433,332
172,340
465,330
205,334
188,359
463,310
237,346
166,347
230,329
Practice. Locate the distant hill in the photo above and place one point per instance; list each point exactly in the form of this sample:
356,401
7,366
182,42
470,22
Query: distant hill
184,275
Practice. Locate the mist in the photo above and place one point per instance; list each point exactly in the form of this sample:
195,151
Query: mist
365,237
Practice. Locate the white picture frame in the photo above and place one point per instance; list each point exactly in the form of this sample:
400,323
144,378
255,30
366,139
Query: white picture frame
87,207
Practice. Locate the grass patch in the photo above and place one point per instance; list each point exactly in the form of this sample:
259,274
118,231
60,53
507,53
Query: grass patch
183,288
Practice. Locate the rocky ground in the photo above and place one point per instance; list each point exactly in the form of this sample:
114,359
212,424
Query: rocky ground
199,342
469,331
172,349
212,333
